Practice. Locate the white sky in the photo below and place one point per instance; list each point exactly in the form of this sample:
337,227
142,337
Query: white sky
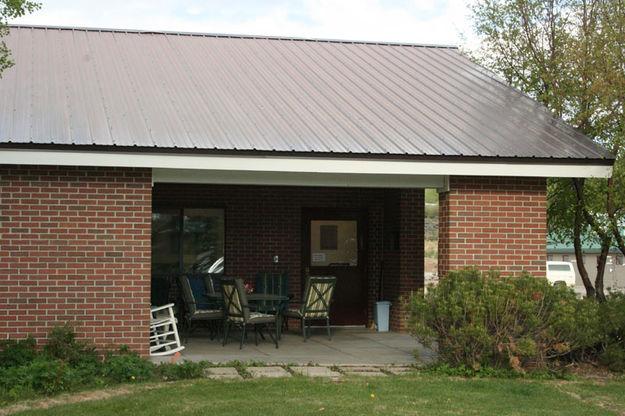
413,21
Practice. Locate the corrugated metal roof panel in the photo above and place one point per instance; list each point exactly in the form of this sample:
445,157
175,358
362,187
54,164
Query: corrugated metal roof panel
168,90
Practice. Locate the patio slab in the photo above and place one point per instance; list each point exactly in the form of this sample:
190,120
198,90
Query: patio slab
364,371
271,372
309,371
217,373
398,370
354,346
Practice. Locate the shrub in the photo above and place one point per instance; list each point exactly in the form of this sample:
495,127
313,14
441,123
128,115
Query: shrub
64,364
126,365
40,375
62,345
520,323
14,353
612,319
186,370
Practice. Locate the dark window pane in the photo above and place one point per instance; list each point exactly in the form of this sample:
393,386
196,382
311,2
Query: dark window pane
165,242
203,240
329,237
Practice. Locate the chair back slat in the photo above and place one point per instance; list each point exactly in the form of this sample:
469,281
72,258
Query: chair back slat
235,300
272,283
318,296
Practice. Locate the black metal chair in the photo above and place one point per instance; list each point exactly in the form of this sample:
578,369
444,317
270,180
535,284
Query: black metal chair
237,312
273,283
316,303
193,313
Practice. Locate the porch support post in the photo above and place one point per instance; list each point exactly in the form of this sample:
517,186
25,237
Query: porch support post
411,247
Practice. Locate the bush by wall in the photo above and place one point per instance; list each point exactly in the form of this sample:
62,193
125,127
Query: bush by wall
520,323
65,364
612,319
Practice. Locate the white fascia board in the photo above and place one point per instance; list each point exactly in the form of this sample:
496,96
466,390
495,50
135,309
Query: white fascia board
297,178
299,164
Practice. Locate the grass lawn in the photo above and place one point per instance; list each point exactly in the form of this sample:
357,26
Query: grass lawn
405,395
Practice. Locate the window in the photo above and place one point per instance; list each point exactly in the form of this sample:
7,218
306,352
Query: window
565,257
334,243
189,240
550,257
559,267
619,260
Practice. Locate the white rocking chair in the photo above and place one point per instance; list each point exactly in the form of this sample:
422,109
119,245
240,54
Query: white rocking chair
164,337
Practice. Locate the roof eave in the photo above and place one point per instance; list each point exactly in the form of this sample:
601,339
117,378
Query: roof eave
305,163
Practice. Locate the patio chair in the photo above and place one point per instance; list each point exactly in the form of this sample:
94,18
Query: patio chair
193,312
164,337
315,304
273,283
200,285
237,312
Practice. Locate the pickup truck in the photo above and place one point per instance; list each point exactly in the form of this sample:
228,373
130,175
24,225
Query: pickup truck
561,271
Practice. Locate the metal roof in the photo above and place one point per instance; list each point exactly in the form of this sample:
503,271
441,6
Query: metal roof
74,86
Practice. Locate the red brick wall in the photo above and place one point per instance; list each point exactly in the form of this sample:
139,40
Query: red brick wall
263,221
75,247
493,223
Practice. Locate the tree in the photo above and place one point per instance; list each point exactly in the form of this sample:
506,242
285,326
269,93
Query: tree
569,55
11,9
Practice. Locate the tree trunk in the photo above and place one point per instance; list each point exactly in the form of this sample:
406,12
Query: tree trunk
579,255
603,257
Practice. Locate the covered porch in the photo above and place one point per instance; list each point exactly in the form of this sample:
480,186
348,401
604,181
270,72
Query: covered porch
370,237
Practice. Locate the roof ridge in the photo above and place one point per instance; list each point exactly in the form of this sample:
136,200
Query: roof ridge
226,35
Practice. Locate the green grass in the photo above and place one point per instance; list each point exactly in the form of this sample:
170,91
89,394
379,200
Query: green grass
611,395
406,395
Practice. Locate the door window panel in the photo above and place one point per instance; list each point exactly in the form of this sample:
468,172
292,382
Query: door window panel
333,243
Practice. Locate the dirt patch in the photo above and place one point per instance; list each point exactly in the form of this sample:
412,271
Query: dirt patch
607,406
592,372
70,398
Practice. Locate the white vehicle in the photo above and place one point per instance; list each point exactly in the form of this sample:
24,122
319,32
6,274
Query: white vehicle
561,272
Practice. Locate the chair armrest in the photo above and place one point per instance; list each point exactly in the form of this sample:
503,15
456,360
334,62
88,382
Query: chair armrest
158,308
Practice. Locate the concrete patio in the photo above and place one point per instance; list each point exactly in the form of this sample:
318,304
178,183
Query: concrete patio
349,346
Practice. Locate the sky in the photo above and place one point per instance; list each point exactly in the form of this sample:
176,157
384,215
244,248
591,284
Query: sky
443,22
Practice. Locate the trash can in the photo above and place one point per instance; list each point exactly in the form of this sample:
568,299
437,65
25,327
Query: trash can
381,315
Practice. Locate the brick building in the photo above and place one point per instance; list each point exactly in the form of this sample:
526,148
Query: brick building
125,155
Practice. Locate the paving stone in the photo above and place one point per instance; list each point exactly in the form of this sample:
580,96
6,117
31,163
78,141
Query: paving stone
217,373
398,371
359,368
273,372
316,371
365,371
